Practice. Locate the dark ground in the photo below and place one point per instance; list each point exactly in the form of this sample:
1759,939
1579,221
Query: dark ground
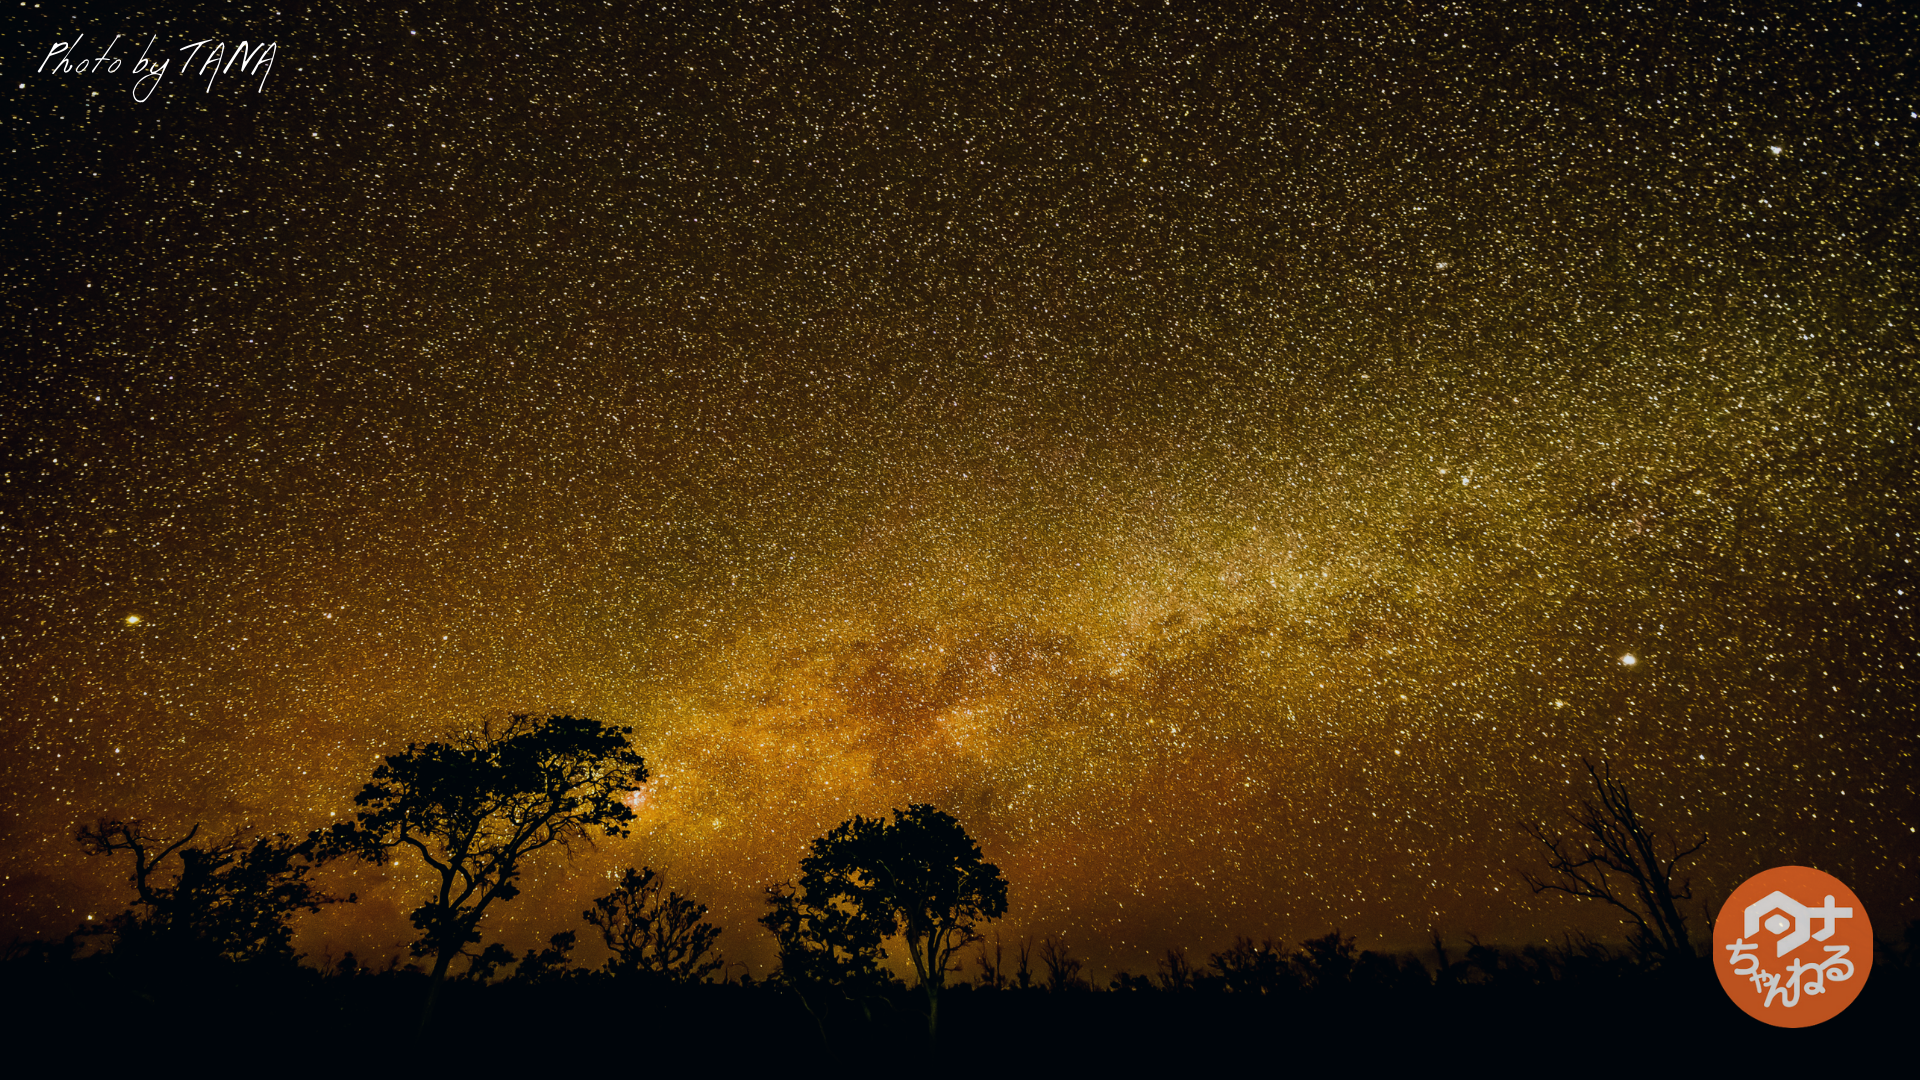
91,1017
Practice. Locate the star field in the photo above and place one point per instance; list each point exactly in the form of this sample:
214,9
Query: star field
1236,463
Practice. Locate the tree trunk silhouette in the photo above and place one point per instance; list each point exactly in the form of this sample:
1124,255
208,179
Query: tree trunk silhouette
440,965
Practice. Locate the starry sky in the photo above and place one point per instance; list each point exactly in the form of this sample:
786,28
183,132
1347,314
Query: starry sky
1238,462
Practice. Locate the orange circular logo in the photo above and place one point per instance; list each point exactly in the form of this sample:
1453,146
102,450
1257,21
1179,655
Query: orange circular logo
1792,946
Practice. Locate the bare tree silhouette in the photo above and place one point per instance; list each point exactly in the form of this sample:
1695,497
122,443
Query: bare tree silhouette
1443,973
1023,972
1063,968
1176,971
1615,858
993,969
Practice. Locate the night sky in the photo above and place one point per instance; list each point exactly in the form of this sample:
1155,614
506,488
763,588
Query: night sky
1238,464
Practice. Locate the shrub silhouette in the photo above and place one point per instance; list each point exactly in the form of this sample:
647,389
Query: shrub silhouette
1125,982
1245,968
548,965
482,965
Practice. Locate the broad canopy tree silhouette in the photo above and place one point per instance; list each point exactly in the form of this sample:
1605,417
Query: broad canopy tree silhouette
475,807
1617,859
650,935
919,876
232,900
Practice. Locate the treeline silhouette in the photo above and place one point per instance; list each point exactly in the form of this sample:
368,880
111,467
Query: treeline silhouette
203,955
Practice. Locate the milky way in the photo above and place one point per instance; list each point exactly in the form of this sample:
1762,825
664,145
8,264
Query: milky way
1238,464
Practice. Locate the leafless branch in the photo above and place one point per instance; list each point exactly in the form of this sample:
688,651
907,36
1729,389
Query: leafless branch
1616,859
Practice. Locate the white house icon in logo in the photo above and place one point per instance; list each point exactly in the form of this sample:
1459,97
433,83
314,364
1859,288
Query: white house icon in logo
1803,916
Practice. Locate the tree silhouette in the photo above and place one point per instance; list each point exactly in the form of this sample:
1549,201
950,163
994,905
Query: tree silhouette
1616,859
1176,972
1063,968
827,947
475,807
920,876
665,937
826,943
1023,963
232,900
993,969
1325,962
